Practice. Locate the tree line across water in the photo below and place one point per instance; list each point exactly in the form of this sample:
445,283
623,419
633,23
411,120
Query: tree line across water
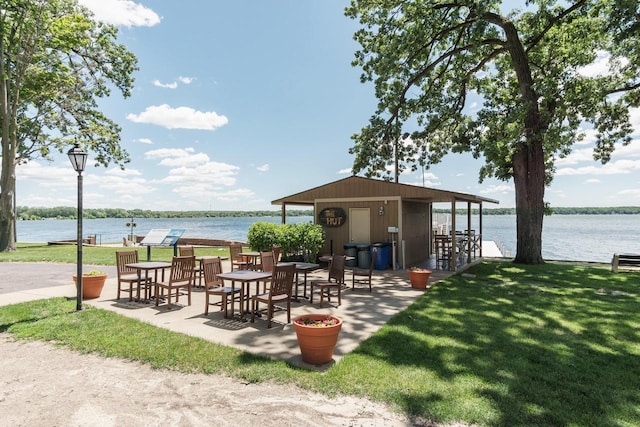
65,212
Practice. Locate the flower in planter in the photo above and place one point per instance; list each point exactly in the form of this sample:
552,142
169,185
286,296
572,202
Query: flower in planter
318,323
94,273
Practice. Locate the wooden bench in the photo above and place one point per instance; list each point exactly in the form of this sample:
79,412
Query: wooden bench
626,261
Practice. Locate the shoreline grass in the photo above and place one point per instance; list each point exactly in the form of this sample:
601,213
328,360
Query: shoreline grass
505,344
93,255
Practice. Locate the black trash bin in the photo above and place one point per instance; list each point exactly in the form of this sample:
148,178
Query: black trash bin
383,256
364,255
350,250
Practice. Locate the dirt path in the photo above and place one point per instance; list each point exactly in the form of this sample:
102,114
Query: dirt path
41,385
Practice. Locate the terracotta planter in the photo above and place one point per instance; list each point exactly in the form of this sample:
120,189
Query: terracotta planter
419,279
91,285
317,342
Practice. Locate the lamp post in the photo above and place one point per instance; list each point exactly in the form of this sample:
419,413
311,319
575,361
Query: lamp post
78,158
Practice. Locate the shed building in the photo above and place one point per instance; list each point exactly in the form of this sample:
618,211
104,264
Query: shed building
362,210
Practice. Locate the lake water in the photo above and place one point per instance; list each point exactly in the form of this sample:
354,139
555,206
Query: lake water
565,237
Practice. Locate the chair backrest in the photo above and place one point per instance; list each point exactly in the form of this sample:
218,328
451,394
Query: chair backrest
276,253
336,268
235,249
186,251
267,261
282,279
182,268
123,258
211,267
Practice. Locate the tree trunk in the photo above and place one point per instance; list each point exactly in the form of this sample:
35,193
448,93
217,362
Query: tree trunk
7,242
528,177
8,172
528,161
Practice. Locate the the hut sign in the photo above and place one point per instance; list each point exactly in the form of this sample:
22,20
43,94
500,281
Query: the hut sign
332,217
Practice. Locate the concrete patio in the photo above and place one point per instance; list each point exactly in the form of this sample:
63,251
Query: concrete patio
362,312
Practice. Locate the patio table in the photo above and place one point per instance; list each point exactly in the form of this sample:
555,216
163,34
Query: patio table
148,266
251,258
304,267
245,277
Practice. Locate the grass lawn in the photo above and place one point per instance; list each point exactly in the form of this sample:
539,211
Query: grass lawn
513,345
94,255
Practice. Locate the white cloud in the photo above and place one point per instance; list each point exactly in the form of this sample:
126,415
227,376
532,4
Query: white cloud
144,141
158,83
634,192
124,173
235,195
611,168
122,12
179,118
589,136
168,152
601,66
576,156
498,189
209,174
46,175
263,168
634,118
586,154
344,171
174,85
186,161
181,157
592,181
194,172
123,185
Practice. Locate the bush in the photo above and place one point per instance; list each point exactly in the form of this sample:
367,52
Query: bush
304,239
312,237
289,240
262,236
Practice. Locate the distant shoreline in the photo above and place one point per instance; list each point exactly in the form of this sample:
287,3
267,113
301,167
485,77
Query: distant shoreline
65,212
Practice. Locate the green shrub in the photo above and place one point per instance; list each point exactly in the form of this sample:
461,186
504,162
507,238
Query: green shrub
262,236
289,240
312,237
304,239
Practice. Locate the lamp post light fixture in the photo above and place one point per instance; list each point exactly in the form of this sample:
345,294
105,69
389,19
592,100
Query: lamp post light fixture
78,158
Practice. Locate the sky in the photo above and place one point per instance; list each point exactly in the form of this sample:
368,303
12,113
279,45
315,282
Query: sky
239,103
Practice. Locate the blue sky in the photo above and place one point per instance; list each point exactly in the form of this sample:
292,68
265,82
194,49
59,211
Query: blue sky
239,103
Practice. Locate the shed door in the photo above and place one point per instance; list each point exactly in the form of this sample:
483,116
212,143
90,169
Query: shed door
359,225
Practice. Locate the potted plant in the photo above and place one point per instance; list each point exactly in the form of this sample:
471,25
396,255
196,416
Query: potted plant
317,336
92,283
419,277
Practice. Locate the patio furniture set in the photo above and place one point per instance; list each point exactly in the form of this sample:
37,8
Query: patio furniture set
275,283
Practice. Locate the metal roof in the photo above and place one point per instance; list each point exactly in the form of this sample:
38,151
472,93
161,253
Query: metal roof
357,187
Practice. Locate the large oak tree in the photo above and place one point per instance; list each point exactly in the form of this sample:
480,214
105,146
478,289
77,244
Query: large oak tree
427,58
55,62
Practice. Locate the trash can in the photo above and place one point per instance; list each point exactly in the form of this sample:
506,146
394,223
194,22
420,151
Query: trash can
350,250
383,256
364,255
